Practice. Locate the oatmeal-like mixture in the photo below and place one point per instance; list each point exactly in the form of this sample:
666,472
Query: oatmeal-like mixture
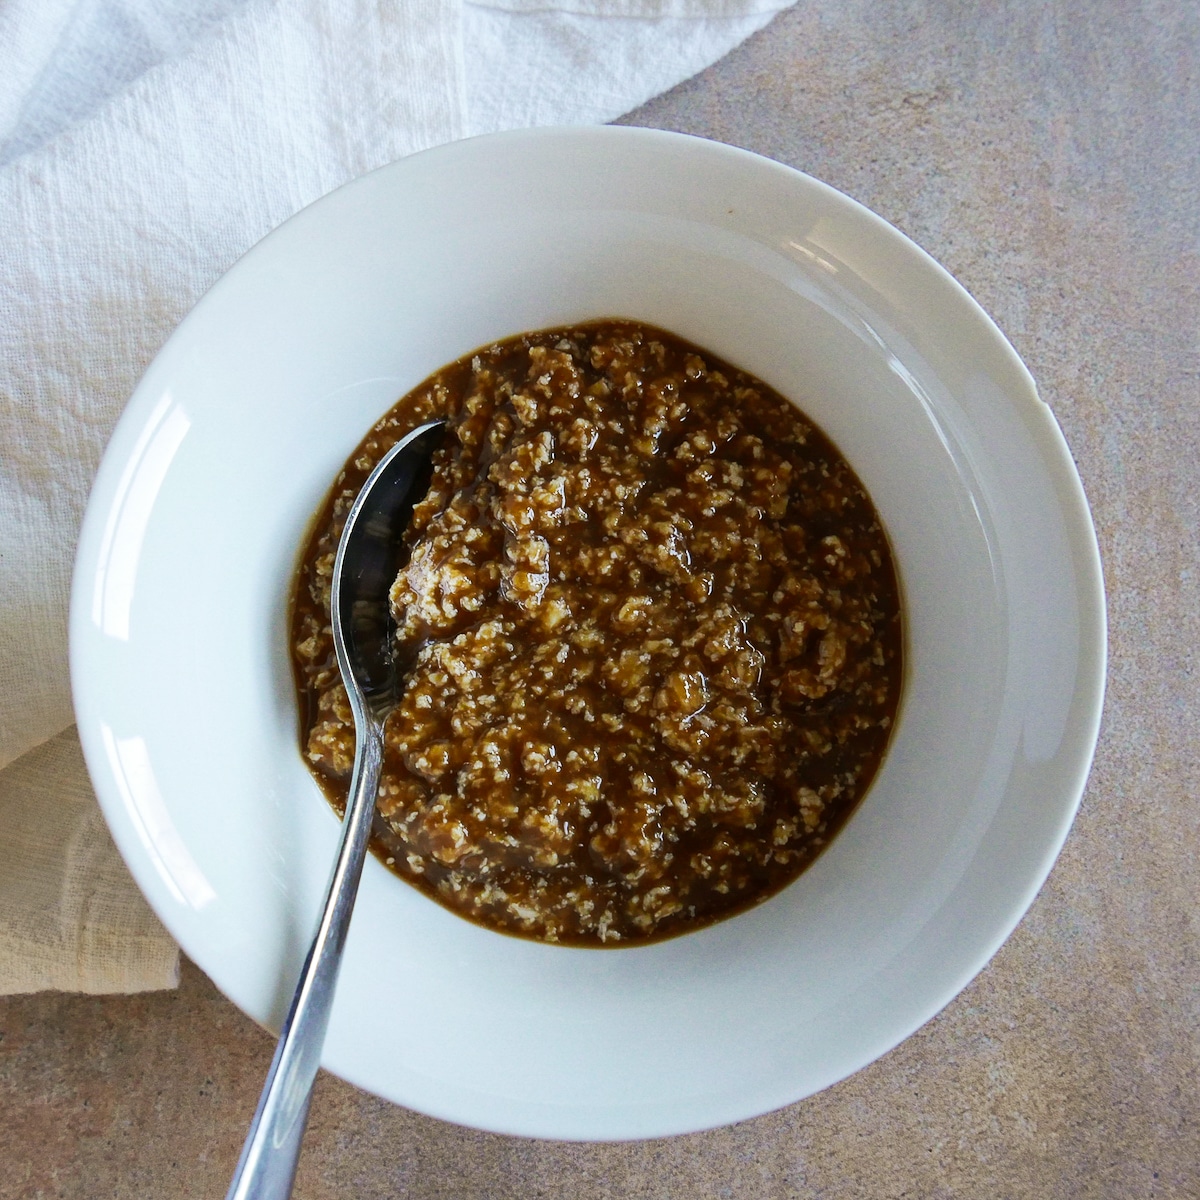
652,634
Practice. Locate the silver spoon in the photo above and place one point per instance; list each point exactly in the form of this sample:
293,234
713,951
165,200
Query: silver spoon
363,572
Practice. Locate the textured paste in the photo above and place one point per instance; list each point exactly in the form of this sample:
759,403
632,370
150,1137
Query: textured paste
652,631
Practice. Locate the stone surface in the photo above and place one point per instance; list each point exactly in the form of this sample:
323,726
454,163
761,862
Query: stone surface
1048,156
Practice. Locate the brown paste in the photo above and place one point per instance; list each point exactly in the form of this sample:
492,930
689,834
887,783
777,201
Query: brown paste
654,634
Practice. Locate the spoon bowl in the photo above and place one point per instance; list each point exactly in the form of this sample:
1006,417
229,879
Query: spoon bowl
368,558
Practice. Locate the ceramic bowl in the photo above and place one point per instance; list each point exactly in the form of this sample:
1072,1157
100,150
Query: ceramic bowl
185,699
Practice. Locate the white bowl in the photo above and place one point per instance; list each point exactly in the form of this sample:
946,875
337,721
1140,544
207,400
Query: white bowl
184,695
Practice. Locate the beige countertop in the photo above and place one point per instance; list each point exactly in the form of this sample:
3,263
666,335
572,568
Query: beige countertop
1048,154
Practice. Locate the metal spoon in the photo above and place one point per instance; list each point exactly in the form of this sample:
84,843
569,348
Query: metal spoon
366,565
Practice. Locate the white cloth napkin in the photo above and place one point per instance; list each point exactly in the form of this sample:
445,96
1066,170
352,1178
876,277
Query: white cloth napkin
145,145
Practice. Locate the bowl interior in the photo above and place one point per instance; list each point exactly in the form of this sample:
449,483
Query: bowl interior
184,692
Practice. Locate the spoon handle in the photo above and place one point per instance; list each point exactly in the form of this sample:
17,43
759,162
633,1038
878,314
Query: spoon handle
268,1163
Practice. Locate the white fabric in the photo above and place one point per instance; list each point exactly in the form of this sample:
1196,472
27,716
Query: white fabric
71,55
642,8
71,918
576,68
146,144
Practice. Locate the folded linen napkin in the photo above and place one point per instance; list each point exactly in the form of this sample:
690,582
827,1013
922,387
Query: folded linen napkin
139,157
